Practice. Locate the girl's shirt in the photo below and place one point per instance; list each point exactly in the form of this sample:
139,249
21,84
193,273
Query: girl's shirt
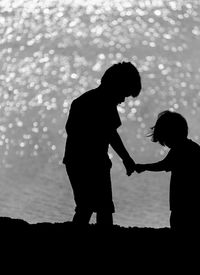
184,163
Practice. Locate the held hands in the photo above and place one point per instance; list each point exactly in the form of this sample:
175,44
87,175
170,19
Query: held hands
129,165
139,168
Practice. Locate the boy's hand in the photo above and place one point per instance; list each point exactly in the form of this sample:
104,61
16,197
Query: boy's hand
139,168
129,165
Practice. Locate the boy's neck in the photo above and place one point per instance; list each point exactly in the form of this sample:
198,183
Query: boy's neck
105,93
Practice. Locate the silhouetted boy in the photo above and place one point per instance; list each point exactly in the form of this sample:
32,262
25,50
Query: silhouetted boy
183,161
91,127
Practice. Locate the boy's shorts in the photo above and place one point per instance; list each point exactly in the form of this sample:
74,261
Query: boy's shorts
91,188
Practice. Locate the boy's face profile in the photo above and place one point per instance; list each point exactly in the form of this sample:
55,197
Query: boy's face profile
120,99
122,92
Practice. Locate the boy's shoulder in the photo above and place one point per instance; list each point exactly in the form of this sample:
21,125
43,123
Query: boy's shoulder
85,96
89,98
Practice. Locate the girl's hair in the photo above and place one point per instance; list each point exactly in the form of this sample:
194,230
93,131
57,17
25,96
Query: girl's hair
169,125
123,75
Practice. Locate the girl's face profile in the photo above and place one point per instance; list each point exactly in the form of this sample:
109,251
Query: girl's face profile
168,144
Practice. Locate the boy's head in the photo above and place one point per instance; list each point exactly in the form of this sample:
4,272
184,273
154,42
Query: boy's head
122,80
170,129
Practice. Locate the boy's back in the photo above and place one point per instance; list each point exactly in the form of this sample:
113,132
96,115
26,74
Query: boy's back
90,122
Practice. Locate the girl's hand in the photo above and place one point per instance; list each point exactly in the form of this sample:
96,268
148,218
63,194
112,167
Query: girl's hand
129,165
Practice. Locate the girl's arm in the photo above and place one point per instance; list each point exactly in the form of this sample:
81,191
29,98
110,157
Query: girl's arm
154,167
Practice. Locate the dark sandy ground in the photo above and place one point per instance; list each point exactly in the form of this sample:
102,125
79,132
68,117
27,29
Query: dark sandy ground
63,247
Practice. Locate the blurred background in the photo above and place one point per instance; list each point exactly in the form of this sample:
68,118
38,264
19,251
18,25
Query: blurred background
53,51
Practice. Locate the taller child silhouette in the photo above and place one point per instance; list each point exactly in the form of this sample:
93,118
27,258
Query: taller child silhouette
91,127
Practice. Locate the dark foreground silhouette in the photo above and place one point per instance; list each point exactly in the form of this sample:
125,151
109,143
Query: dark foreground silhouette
66,246
71,233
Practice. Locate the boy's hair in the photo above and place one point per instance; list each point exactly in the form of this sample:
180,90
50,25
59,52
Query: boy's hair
125,76
169,125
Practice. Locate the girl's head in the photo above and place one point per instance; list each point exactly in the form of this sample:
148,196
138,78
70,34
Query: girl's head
170,129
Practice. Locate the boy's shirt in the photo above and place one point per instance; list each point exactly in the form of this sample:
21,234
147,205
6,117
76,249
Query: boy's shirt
90,123
184,164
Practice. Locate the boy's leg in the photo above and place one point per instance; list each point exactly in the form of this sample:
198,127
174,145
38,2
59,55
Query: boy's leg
82,217
104,218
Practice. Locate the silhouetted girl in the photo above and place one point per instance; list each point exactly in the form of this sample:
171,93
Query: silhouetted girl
183,161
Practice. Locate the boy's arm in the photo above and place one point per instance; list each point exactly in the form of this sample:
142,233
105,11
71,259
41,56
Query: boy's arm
118,146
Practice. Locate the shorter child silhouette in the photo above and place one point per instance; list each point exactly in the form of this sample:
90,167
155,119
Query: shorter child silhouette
183,161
